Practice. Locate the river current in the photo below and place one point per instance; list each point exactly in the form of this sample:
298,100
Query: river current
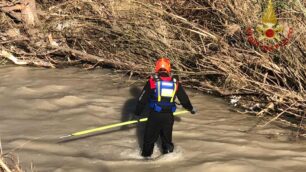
38,105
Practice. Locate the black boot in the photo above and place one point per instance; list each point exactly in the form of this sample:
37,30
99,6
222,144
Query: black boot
145,155
168,148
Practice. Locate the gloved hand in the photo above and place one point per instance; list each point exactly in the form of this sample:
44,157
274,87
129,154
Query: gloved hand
193,111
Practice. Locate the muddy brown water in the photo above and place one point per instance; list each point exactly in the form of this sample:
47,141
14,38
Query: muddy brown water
37,106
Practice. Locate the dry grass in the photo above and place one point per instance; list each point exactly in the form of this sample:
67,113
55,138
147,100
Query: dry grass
206,41
8,162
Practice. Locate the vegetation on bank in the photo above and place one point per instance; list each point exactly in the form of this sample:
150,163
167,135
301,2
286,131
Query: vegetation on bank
206,41
8,162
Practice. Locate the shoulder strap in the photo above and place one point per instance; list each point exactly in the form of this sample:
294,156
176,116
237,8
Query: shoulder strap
176,81
152,82
156,78
175,88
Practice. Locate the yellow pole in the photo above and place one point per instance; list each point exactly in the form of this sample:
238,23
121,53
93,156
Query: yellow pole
115,125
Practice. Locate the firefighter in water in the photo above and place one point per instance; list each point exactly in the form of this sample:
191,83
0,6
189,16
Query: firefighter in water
160,92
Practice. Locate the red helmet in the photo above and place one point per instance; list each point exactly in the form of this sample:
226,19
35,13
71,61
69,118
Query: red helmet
163,63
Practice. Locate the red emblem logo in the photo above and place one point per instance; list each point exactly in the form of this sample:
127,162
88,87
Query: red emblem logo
269,35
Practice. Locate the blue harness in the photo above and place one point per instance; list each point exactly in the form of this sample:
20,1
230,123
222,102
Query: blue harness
164,94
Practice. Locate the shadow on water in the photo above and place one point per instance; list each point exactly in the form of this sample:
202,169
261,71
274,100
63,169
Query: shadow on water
128,112
129,106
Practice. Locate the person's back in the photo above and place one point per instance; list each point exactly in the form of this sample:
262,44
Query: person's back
160,92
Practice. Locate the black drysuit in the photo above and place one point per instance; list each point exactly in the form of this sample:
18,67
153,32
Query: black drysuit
159,123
